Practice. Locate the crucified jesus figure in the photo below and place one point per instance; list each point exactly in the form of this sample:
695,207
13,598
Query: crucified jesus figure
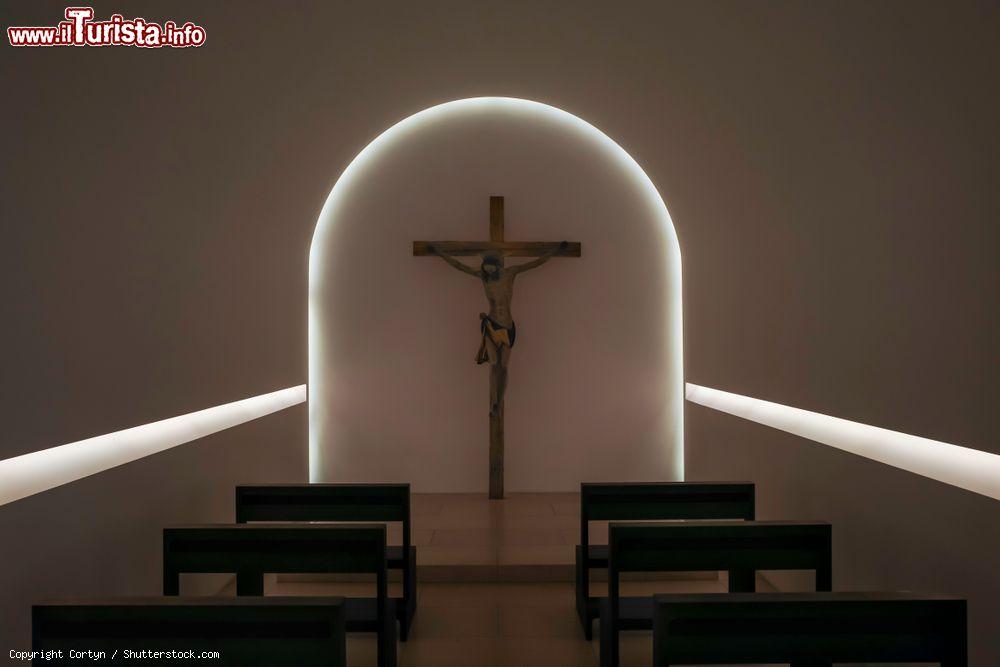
496,327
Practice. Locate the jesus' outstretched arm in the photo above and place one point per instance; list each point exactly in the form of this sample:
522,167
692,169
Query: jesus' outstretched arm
535,263
451,260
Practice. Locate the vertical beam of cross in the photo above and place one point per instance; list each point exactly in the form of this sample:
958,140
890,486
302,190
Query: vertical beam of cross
496,219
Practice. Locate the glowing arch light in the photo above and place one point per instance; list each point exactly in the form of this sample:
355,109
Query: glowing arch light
498,106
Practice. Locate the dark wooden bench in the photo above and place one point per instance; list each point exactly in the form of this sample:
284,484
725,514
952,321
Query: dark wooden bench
251,550
741,546
808,629
255,632
648,501
342,502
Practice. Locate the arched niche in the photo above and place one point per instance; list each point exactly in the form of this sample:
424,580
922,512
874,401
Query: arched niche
596,381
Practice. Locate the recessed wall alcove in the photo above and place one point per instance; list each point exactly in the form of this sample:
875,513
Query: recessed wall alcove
596,372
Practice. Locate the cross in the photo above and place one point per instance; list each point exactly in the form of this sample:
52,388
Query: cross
497,327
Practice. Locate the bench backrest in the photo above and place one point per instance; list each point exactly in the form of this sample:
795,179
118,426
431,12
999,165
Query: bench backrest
244,631
322,502
284,548
720,545
664,500
808,628
325,502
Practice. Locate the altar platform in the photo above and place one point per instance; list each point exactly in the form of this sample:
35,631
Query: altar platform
526,537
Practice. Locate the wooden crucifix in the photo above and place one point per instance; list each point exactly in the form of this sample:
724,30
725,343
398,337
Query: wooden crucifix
497,327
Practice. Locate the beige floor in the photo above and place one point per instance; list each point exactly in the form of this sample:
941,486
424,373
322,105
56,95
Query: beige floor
497,625
513,603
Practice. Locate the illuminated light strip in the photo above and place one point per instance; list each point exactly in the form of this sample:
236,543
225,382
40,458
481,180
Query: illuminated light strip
411,124
28,474
969,469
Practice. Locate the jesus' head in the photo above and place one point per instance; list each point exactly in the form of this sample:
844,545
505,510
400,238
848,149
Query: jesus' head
492,267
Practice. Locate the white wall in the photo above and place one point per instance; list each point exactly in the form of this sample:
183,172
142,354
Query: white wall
595,379
102,536
831,169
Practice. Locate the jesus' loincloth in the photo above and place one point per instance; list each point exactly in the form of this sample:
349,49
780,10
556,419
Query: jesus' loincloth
497,334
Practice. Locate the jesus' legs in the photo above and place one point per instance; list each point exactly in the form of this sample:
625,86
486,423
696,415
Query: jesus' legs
498,380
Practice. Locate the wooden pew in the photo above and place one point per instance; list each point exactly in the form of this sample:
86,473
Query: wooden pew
251,550
744,546
649,501
808,629
251,632
342,502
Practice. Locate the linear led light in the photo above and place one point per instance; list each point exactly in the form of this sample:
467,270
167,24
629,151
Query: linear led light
969,469
28,474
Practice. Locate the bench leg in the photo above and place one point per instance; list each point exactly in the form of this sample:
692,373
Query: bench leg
249,583
171,582
824,577
742,581
609,636
387,641
409,606
582,586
